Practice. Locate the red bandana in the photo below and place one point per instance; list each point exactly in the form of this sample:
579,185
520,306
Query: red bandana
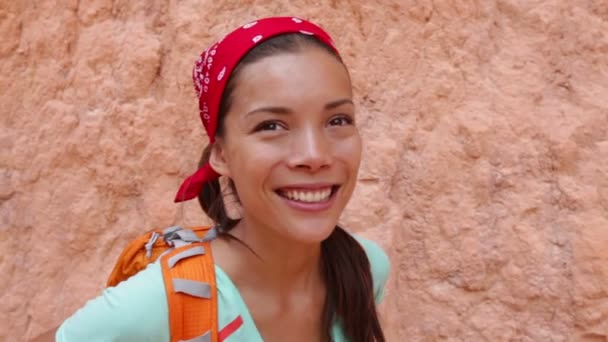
213,69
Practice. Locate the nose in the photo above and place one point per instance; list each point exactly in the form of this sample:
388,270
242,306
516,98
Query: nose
311,151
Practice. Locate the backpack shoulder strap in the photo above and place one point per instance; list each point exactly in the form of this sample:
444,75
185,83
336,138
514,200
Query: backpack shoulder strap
189,276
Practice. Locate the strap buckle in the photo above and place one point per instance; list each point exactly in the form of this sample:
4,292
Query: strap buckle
177,236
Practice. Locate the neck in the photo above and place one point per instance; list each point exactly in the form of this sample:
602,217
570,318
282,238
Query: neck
273,261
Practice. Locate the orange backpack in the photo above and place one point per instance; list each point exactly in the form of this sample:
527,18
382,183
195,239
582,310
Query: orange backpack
189,275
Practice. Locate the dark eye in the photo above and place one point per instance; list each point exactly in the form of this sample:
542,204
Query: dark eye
342,120
268,126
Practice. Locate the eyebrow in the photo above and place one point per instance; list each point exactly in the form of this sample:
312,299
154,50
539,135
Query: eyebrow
285,110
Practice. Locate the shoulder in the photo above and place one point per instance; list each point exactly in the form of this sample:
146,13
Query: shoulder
379,263
135,310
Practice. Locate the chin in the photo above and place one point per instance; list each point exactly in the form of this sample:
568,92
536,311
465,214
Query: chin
310,231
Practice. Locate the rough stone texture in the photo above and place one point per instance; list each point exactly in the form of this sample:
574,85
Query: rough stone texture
486,159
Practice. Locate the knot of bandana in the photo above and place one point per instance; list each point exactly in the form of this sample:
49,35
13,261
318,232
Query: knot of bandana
213,69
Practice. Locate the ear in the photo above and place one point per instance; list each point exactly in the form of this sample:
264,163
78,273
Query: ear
218,160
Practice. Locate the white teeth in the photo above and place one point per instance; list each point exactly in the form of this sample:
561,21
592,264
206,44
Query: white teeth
308,196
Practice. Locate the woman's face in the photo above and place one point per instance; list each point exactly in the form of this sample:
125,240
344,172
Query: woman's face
290,143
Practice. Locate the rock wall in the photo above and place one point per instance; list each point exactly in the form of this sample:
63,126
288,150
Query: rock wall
485,172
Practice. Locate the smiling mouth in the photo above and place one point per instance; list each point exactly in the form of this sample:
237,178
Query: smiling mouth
309,195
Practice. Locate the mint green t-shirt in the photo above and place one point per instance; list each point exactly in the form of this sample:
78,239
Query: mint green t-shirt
136,309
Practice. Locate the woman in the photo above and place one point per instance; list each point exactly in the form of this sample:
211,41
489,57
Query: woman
277,103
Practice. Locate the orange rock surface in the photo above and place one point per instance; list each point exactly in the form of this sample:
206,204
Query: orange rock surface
485,172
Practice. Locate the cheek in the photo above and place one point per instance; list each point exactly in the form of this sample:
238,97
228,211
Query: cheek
252,161
350,151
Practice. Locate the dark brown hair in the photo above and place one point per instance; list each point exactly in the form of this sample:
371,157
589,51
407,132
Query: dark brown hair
350,294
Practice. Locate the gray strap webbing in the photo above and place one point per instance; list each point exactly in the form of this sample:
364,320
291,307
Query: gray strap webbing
187,235
190,252
177,236
206,337
210,235
177,243
171,230
192,288
150,244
